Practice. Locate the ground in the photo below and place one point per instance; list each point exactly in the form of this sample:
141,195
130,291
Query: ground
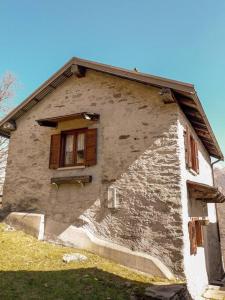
32,269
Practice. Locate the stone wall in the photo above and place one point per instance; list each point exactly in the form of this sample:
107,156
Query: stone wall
137,153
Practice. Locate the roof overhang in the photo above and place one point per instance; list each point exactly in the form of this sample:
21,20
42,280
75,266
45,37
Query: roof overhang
206,193
53,122
184,94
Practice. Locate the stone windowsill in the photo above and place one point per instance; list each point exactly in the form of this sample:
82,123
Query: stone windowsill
71,168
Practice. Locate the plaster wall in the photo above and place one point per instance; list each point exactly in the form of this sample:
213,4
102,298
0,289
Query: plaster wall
137,153
195,266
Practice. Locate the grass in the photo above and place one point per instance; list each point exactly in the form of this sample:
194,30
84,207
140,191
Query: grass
32,269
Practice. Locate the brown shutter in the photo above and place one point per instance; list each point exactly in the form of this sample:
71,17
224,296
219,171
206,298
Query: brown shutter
55,151
192,237
196,158
186,147
91,147
187,143
189,148
199,234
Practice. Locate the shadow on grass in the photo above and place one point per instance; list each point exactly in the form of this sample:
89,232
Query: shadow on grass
90,284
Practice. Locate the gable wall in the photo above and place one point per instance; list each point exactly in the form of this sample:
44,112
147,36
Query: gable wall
137,153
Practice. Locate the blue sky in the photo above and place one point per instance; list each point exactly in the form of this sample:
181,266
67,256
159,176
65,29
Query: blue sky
183,40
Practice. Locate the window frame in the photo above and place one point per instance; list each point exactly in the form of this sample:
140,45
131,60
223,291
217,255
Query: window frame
75,133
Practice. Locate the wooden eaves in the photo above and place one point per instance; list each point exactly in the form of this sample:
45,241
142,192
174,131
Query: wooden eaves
184,94
53,122
204,192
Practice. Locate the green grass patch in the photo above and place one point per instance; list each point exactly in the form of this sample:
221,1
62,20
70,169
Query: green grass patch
32,269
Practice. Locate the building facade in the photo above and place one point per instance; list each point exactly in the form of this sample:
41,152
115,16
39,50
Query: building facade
120,155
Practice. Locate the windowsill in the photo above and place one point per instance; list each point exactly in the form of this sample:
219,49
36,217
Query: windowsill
71,168
193,172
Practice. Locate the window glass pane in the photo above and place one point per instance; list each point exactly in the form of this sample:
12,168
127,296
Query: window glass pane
69,160
80,148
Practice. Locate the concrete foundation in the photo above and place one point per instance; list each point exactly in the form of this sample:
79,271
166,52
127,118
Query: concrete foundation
82,238
28,222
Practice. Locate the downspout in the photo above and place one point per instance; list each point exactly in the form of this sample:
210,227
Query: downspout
212,165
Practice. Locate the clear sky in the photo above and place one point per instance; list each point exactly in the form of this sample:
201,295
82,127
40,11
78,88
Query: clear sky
178,39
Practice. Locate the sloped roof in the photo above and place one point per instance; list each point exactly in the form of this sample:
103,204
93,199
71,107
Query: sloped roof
184,94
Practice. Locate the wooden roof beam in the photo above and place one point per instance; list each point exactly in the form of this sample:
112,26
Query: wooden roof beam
197,124
206,141
167,96
203,133
192,112
78,70
187,102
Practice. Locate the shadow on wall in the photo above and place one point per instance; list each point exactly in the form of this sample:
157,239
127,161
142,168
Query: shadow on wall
126,171
144,180
134,146
3,214
212,248
144,172
82,284
213,255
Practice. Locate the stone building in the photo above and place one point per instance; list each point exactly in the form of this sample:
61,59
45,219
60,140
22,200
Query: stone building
118,162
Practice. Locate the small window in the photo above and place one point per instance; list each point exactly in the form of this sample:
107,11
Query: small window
191,152
76,147
73,148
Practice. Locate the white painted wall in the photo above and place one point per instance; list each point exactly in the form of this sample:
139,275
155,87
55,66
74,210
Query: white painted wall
194,265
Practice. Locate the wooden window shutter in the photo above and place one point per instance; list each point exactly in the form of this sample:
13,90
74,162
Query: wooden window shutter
192,237
196,158
54,159
187,143
91,147
186,147
199,234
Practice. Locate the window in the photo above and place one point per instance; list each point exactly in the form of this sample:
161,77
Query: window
195,235
191,152
73,148
68,158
